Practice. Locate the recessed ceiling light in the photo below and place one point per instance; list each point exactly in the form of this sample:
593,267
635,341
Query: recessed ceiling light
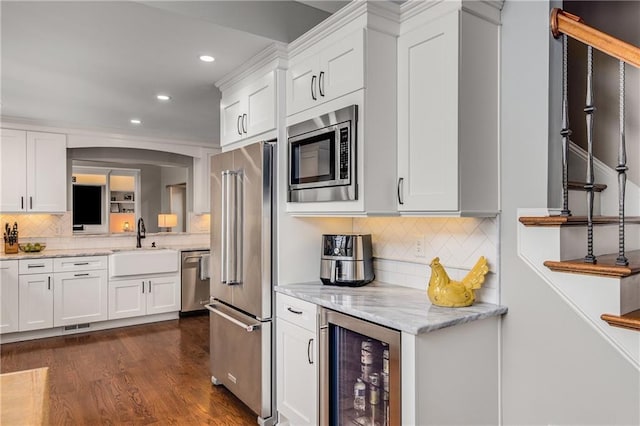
136,121
161,97
207,58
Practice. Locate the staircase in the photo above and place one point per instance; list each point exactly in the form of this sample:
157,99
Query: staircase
589,252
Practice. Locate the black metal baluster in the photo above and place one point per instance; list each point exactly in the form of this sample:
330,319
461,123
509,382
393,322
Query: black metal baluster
589,109
565,132
622,175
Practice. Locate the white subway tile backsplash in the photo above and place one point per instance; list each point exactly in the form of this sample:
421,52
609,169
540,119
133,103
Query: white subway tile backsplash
458,242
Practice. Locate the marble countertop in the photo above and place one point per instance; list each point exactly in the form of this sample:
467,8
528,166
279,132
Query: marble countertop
402,308
89,252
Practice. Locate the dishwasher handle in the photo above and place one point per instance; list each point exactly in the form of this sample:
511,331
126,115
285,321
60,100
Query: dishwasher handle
248,327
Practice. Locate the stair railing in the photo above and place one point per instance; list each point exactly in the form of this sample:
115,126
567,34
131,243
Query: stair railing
568,25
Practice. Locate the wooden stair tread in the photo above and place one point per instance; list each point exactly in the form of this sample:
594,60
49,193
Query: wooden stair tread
629,321
605,266
579,186
558,220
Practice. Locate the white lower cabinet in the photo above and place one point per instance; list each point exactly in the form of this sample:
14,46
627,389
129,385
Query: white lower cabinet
35,294
296,361
9,289
36,301
80,290
79,297
144,296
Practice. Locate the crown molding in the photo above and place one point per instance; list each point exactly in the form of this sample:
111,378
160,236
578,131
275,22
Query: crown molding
78,137
274,56
489,10
383,16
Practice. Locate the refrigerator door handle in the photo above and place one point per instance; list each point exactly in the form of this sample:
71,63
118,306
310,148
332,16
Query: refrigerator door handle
224,218
234,229
248,327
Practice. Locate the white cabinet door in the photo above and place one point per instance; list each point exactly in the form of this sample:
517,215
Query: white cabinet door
9,296
13,178
232,109
33,176
163,295
36,302
302,84
248,111
79,297
428,117
342,67
330,71
127,298
297,382
261,106
46,172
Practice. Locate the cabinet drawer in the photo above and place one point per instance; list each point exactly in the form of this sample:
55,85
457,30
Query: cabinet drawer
80,263
36,266
296,311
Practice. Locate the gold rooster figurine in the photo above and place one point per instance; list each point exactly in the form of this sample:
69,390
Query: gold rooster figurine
443,291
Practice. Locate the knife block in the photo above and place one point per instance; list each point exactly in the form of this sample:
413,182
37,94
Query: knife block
10,248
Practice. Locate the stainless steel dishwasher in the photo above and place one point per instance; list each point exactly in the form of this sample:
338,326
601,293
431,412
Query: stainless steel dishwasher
195,280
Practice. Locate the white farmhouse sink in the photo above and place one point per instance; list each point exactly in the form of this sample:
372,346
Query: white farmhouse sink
143,262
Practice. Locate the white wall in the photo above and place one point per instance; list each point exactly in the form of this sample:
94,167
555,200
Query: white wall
555,368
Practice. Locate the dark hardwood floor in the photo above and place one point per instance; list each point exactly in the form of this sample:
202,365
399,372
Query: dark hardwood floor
148,374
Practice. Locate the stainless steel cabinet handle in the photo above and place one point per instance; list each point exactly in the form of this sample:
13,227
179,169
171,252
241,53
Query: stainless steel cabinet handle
48,283
313,86
324,375
293,311
309,351
21,203
321,83
400,186
238,125
30,203
244,123
142,287
149,286
36,265
81,275
248,327
81,264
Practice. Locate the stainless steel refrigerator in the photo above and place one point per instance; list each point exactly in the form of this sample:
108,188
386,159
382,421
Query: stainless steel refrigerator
241,284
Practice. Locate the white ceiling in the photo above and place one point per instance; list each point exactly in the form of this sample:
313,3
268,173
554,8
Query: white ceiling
96,65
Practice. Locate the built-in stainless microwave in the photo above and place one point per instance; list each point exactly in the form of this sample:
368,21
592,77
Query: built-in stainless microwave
322,157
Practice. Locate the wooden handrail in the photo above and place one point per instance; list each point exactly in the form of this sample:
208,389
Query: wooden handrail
565,23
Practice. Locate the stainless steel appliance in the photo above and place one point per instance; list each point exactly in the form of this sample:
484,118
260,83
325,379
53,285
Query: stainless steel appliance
195,280
359,372
322,157
242,243
347,260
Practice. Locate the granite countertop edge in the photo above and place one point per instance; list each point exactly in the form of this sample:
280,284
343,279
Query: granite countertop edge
419,317
82,252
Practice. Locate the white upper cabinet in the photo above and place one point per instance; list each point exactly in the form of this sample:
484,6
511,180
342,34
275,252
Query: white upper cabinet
34,172
248,110
350,59
326,71
448,76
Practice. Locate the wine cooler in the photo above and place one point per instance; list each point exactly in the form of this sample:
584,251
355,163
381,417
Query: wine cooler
359,372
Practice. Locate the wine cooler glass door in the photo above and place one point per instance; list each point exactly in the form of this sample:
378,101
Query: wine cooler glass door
360,382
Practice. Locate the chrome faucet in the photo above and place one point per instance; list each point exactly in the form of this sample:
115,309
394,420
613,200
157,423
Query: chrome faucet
141,233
